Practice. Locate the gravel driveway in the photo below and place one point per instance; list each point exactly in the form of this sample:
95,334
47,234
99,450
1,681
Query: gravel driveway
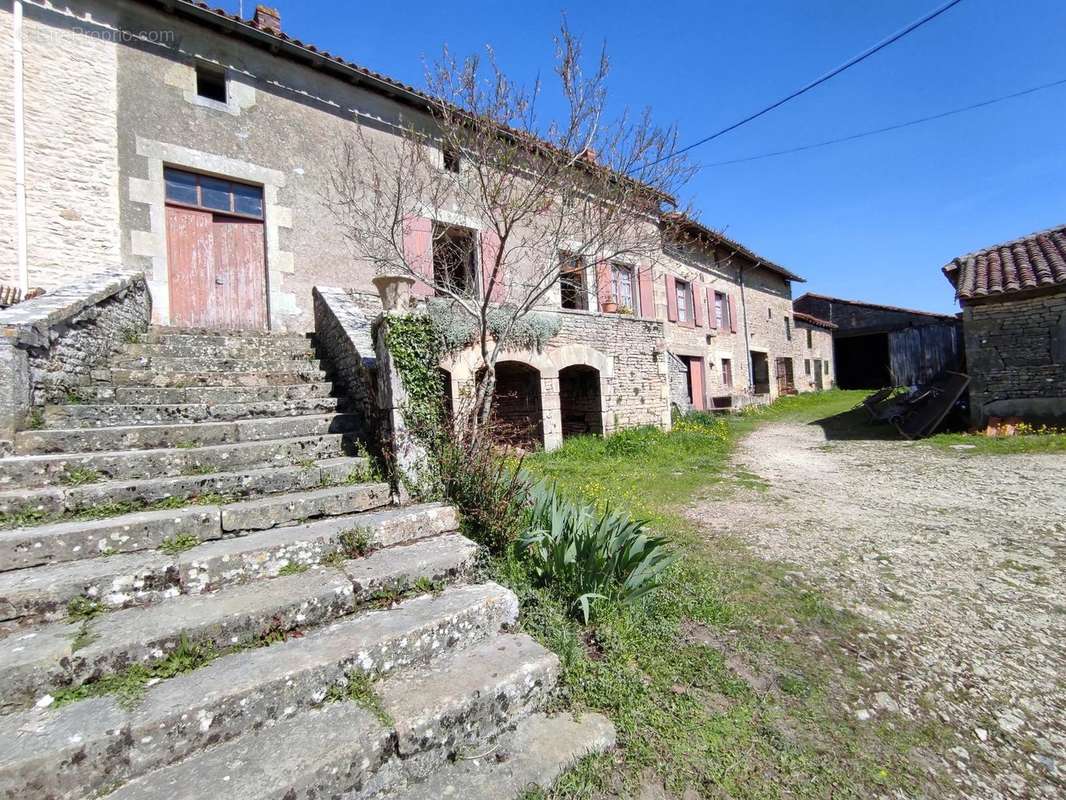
958,560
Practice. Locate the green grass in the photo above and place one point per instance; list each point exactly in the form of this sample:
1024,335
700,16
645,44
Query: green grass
179,543
79,476
293,568
360,689
732,680
979,444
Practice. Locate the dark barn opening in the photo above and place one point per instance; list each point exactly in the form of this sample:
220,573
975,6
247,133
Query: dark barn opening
862,362
579,400
516,411
760,373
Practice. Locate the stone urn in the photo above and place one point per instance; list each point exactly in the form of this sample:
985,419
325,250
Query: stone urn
394,290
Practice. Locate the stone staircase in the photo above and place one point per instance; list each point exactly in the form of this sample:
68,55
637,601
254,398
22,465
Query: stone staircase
205,592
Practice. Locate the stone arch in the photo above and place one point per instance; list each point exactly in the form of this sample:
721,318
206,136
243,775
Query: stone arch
581,407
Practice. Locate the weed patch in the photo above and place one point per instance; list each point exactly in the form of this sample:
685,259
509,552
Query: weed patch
179,543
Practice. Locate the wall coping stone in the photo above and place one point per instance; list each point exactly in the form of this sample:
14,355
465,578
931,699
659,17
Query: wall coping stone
29,323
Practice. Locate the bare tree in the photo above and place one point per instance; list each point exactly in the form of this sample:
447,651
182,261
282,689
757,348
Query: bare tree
545,194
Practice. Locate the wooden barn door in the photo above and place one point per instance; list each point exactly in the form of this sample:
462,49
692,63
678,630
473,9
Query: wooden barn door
216,261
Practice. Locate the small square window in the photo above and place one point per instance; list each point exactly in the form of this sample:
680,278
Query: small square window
451,159
211,83
682,292
248,200
181,186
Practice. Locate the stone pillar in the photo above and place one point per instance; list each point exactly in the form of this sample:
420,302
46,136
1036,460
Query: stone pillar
410,459
14,391
551,411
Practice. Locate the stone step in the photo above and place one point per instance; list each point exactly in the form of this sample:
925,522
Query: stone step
333,751
255,556
467,697
127,533
218,347
109,498
100,743
210,395
169,365
89,415
44,659
168,334
45,594
148,530
533,755
180,434
237,377
87,468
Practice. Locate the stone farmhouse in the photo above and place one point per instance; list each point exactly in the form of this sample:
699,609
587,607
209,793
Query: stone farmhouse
204,144
1013,298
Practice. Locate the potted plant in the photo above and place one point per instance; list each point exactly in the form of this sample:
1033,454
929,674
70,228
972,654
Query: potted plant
624,309
610,306
394,290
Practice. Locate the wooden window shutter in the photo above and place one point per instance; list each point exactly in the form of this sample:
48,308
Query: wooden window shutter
712,309
671,298
732,314
697,304
418,252
647,295
490,249
604,290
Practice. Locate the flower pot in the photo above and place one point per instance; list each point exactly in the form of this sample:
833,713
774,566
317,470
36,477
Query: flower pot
610,307
394,290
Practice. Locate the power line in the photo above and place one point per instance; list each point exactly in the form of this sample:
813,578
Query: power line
865,54
888,128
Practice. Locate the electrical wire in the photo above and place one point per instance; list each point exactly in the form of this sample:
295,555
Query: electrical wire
887,128
817,82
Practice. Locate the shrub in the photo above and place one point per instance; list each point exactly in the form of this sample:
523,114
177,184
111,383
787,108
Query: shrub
585,555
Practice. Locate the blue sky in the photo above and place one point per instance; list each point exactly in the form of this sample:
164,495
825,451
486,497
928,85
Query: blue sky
873,219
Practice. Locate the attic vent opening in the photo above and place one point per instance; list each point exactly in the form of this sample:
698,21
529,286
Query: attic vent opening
211,83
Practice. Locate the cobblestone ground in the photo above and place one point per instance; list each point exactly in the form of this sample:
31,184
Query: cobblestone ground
958,560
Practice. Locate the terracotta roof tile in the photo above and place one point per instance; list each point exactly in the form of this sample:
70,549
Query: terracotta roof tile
820,323
1030,263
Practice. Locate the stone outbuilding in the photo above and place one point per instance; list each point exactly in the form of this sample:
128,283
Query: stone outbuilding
876,345
1013,298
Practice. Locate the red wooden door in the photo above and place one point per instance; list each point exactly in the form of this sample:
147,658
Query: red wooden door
240,275
217,270
695,376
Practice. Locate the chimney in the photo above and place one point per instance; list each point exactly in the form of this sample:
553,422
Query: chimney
267,18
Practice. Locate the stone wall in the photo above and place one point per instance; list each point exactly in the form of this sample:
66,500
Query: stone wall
70,69
343,340
804,356
1016,357
54,344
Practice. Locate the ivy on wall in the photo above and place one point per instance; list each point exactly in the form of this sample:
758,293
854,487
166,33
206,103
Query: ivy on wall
416,349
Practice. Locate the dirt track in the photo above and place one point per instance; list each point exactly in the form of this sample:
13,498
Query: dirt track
960,561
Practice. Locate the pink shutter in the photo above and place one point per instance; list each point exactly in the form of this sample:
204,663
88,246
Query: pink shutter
490,249
671,298
604,290
647,295
732,315
712,316
697,305
418,252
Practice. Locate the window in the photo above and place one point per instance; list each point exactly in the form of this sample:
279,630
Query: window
622,280
572,284
211,83
769,313
215,194
826,363
451,159
810,340
454,258
682,290
721,311
806,366
727,372
788,329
